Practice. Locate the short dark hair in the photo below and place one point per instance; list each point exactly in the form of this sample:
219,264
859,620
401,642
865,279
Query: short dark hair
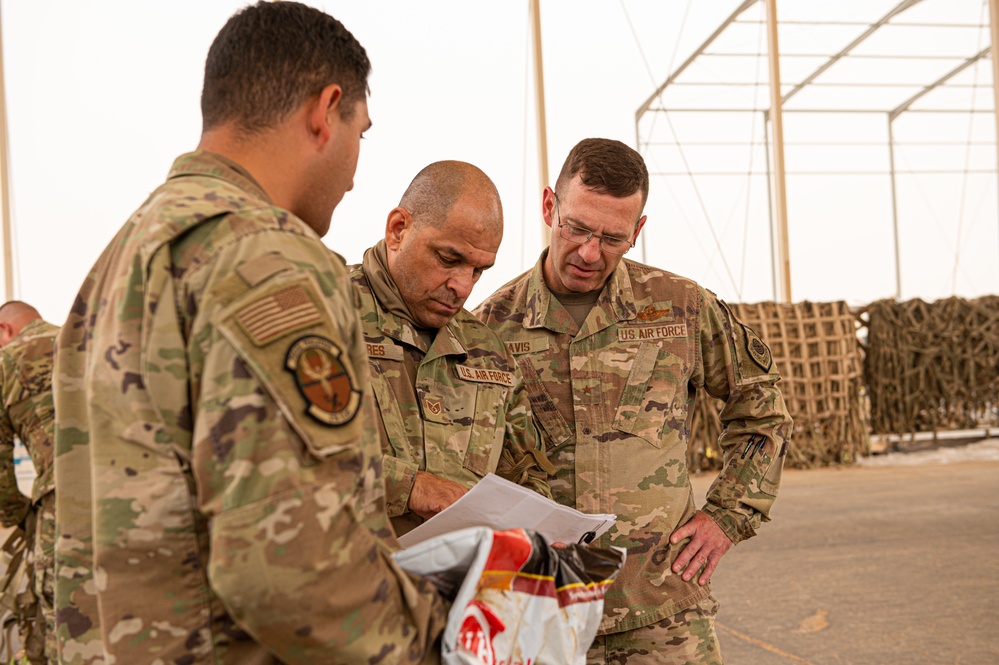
606,166
272,56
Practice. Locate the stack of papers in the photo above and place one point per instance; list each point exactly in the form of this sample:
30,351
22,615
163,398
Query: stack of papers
500,505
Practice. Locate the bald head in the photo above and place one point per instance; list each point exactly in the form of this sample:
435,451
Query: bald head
14,315
444,233
435,190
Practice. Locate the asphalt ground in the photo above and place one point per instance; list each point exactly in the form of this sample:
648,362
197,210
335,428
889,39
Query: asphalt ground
868,565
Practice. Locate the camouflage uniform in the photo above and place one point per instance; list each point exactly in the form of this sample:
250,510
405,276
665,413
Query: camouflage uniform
615,402
26,390
211,381
457,409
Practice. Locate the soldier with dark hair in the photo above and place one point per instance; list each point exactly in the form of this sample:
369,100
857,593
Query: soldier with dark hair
26,355
221,498
452,404
613,352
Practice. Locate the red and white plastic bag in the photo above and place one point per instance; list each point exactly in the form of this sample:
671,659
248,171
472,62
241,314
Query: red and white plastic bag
516,600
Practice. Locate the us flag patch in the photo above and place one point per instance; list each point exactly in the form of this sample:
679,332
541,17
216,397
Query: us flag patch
278,313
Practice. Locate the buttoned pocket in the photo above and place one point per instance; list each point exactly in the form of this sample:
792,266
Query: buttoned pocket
485,443
463,429
647,398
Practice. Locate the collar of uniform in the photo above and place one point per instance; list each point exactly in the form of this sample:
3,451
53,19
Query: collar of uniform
398,328
447,341
214,165
386,322
543,310
618,299
36,326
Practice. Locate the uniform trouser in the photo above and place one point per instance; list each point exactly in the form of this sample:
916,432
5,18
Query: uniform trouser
686,638
44,560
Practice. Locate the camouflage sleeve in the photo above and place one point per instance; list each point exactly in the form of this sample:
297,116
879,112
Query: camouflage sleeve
400,475
13,505
523,459
738,368
287,466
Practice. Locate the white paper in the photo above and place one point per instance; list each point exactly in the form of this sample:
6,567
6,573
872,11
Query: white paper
499,504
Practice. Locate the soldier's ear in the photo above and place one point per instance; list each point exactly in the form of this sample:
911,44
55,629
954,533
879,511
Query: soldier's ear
548,206
6,333
323,113
638,228
399,223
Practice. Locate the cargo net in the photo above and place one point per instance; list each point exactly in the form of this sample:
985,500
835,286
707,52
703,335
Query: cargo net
817,352
933,366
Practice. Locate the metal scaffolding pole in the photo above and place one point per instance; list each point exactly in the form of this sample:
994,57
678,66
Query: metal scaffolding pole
770,206
647,104
780,184
8,242
994,31
896,10
894,208
539,105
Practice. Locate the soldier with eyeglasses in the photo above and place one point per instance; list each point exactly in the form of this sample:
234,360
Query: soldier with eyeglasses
612,353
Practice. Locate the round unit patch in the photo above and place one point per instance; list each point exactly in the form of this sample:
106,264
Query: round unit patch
325,381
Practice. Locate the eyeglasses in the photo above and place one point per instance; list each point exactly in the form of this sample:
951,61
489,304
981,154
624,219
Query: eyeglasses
581,236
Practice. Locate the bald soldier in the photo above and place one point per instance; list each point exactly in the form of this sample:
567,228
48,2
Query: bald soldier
221,498
613,353
26,356
452,403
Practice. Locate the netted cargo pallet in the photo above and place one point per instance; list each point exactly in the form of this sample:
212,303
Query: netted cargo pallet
816,349
933,366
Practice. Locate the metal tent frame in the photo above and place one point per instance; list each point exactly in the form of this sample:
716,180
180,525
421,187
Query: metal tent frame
857,34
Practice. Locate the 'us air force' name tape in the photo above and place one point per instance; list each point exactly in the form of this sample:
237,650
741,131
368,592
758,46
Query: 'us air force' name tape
639,333
485,375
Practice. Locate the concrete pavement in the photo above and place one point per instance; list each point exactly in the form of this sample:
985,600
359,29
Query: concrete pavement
868,565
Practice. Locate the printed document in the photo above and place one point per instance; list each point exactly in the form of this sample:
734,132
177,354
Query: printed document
500,505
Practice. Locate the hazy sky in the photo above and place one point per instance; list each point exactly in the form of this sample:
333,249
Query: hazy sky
103,95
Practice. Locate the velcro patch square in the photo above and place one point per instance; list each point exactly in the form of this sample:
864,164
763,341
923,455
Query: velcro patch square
278,313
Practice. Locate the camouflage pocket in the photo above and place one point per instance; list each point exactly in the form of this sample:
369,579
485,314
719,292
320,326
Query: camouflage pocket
771,479
647,399
485,444
546,414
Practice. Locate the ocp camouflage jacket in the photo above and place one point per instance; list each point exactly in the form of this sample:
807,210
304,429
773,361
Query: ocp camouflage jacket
26,413
212,382
467,414
615,404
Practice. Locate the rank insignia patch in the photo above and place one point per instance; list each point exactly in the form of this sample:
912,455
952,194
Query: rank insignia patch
434,406
758,351
325,381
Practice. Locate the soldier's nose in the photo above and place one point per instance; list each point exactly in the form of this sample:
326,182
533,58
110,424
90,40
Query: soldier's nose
461,287
589,251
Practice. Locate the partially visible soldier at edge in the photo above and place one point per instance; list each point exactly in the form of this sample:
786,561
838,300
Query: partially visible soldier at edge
452,403
212,381
613,353
26,354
